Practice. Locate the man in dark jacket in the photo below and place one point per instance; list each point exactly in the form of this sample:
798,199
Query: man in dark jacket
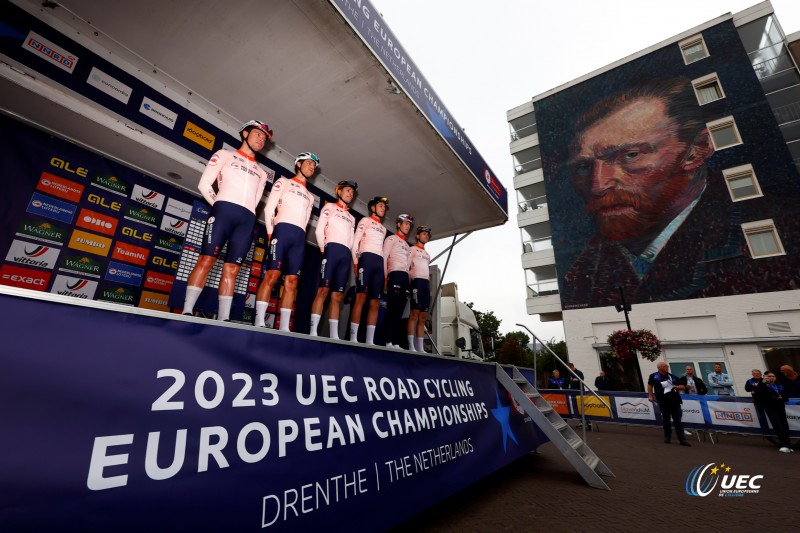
693,384
768,396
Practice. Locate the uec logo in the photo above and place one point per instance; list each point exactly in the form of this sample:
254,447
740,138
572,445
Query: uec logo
702,481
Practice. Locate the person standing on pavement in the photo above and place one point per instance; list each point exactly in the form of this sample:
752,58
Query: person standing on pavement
334,235
768,397
751,384
574,382
240,185
556,381
602,382
692,384
721,383
663,387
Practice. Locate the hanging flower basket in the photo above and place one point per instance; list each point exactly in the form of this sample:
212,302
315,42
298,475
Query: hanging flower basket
624,344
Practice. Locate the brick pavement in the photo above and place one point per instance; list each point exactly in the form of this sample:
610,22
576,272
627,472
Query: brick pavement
542,492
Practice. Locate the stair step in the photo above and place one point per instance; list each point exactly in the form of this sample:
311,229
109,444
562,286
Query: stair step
575,442
533,394
560,425
592,461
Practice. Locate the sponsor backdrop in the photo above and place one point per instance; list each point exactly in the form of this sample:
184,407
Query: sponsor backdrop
717,413
224,428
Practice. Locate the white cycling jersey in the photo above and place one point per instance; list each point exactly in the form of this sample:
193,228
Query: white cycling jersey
239,179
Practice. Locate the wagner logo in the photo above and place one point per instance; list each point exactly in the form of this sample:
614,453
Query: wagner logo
89,242
26,253
51,208
147,197
198,135
174,226
130,253
97,222
158,281
41,231
75,287
157,112
84,265
63,188
117,295
109,85
24,278
142,215
111,184
703,479
45,49
168,244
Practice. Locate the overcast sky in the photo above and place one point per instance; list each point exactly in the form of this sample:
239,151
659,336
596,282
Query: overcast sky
484,58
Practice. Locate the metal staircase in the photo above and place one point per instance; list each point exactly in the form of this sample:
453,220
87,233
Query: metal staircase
577,452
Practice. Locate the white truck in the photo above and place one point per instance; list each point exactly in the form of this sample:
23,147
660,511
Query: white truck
455,329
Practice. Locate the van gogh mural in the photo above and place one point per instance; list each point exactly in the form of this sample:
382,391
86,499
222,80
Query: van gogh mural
636,189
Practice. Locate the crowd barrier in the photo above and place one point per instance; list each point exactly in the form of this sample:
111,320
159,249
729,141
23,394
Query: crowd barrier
711,413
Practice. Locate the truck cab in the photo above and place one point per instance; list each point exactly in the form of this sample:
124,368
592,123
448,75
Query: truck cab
456,328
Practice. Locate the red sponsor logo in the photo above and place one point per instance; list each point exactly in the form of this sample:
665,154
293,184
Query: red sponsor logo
96,222
130,253
63,188
158,281
24,278
255,270
252,285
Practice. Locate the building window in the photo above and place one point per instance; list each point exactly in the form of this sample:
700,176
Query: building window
763,239
742,183
708,89
724,133
693,49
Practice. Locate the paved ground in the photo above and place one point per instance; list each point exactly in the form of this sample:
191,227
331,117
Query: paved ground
542,492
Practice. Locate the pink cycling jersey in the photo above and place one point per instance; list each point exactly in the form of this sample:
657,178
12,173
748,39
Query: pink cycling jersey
395,253
335,224
369,238
239,179
293,202
420,262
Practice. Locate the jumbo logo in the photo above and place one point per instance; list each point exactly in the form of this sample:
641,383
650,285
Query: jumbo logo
65,166
154,300
134,233
89,242
102,202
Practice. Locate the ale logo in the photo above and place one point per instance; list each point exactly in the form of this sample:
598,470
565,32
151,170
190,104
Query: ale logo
704,479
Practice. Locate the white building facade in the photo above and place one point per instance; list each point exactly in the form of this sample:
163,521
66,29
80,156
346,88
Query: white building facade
718,282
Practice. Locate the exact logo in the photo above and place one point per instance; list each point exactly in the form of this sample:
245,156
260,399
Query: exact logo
703,479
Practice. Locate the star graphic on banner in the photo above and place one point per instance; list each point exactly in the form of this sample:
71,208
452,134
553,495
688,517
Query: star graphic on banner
714,470
501,415
728,469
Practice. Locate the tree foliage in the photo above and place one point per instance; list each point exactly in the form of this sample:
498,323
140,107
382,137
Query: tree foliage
489,325
514,349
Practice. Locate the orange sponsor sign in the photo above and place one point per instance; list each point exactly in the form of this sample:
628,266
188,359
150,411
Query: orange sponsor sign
558,401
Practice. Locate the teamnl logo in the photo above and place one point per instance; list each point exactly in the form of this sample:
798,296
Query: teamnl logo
703,480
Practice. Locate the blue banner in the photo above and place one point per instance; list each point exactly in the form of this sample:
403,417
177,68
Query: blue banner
376,35
117,421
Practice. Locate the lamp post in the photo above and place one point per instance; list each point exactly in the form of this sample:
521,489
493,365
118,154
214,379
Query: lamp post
623,306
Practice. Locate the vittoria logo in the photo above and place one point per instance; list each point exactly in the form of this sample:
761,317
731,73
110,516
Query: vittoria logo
174,226
30,254
147,197
75,287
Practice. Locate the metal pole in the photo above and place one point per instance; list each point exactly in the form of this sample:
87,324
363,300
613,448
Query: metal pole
441,278
624,307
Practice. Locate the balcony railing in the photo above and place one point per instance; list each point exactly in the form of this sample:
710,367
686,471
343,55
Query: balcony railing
544,287
534,203
787,113
523,132
537,245
529,166
772,66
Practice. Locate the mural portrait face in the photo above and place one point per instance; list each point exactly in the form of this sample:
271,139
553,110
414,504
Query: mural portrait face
633,170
